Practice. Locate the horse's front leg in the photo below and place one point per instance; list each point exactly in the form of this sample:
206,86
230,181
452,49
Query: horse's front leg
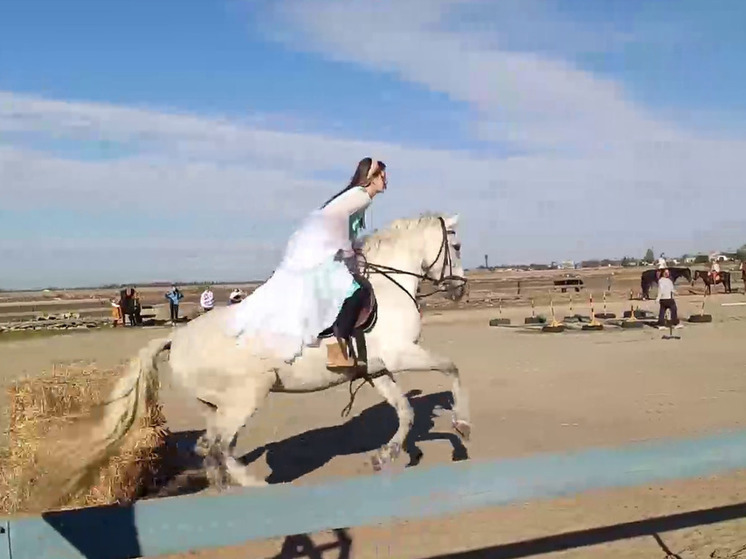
387,388
416,358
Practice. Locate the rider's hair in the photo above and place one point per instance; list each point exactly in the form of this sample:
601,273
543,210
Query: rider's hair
360,177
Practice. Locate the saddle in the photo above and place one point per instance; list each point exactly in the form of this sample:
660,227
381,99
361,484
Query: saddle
366,318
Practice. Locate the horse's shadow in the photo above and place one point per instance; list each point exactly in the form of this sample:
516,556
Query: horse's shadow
306,452
296,456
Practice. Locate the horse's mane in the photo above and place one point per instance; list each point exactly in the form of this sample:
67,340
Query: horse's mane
397,229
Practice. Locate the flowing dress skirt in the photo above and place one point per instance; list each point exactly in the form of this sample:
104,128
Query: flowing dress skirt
303,296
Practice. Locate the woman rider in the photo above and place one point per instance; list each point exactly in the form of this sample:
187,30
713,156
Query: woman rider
317,284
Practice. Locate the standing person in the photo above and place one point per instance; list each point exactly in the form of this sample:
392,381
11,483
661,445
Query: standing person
318,282
128,305
136,308
174,296
207,299
116,311
666,301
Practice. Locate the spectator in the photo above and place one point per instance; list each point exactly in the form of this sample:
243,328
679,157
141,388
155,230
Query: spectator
116,311
666,301
235,297
136,308
127,302
207,299
174,296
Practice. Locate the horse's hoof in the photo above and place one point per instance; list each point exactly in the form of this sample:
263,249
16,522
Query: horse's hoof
215,478
240,474
463,429
377,462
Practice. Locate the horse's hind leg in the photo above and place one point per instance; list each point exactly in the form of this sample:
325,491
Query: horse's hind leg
205,442
230,416
394,396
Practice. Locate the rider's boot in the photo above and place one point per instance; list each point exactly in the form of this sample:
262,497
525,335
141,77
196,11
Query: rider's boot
337,355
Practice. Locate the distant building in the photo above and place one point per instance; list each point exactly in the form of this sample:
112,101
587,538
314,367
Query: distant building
719,257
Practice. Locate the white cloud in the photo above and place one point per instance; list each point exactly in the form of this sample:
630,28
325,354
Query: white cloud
596,173
589,152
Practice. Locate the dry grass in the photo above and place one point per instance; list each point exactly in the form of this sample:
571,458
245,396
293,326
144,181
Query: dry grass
45,412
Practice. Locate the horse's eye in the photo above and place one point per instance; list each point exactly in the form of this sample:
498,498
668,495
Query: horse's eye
457,246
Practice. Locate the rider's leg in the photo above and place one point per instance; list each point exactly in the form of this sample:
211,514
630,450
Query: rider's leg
344,326
348,314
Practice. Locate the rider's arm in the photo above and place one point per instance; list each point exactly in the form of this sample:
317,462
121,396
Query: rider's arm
344,205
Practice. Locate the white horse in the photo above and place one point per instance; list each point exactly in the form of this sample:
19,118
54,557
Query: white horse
230,381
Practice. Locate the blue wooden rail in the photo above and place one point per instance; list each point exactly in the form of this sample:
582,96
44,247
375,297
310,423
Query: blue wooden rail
180,524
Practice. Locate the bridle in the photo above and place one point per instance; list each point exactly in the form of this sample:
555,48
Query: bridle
386,271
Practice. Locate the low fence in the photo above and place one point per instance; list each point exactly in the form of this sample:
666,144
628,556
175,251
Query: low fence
188,523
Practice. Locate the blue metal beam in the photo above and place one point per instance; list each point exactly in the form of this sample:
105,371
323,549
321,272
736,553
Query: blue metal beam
180,524
4,539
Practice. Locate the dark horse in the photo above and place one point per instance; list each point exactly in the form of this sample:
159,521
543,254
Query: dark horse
649,277
724,278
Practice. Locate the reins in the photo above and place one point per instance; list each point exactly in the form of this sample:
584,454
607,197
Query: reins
386,271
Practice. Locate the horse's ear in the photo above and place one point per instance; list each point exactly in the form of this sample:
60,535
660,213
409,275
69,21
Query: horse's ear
452,221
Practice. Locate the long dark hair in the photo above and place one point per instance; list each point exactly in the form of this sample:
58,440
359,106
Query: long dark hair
360,178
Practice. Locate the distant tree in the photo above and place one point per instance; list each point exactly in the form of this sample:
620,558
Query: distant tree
649,255
741,253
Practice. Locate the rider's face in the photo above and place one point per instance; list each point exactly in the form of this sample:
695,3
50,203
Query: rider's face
378,184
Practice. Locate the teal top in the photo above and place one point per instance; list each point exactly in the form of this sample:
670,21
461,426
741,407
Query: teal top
357,223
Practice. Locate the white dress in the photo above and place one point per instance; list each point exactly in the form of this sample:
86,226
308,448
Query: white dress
304,295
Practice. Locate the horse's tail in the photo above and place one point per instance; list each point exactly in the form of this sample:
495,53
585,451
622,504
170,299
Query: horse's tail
131,398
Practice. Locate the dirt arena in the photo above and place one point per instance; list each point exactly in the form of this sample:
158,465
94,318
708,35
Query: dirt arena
529,393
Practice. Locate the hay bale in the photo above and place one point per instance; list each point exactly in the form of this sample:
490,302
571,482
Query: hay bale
44,411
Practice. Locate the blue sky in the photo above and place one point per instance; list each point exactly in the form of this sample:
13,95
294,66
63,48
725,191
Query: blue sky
189,138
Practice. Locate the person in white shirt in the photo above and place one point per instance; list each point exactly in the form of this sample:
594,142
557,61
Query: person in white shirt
207,299
666,301
235,297
715,271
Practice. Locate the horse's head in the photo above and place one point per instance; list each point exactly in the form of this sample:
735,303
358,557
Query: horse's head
442,259
427,247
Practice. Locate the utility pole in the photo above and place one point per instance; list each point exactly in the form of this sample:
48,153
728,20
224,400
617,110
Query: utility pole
486,262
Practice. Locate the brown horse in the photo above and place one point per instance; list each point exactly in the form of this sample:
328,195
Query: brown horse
723,277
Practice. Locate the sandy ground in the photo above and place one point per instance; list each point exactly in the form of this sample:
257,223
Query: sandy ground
529,393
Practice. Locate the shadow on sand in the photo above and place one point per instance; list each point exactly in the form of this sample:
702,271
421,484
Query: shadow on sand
296,456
